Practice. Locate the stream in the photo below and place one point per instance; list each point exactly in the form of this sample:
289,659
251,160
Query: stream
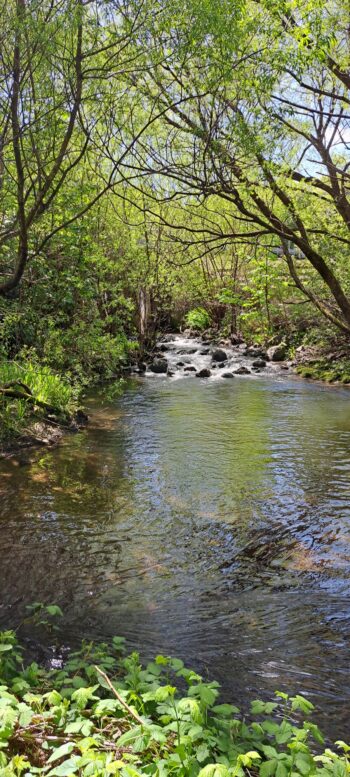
203,518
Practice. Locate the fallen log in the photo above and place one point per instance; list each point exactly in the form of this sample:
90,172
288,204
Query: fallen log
13,390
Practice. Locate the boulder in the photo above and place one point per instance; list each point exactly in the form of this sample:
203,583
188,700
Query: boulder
218,355
204,351
81,419
159,366
259,363
227,375
236,339
167,338
205,373
277,353
255,352
170,373
242,371
189,368
191,333
180,364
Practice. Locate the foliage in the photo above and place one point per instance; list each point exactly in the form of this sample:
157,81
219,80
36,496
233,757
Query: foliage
45,386
255,101
198,318
102,713
167,162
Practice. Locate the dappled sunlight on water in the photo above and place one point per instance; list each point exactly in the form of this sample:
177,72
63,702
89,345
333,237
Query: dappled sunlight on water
206,520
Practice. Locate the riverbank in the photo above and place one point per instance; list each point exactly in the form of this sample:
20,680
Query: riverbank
37,406
324,363
103,713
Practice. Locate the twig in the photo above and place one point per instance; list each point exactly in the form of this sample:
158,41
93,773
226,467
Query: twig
117,695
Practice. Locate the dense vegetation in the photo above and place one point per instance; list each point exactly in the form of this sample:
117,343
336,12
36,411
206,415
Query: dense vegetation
164,157
163,164
102,713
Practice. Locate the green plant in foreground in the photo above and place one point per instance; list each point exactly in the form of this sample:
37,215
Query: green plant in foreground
104,714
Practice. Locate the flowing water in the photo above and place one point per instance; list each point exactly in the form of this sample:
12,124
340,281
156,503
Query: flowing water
205,519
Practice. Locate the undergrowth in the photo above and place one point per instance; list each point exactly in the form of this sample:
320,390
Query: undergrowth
102,714
44,385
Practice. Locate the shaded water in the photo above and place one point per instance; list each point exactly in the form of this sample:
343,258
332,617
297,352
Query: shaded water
210,520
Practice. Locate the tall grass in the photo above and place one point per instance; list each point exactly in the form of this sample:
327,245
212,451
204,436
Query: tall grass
44,384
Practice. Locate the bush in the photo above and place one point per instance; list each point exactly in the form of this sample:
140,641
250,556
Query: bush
86,351
102,714
198,318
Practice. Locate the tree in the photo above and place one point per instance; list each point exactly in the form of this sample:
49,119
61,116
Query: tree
263,125
58,116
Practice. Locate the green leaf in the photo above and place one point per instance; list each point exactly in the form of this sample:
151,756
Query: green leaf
68,767
202,753
130,736
299,703
25,714
207,693
83,695
268,768
281,770
164,692
259,707
303,763
61,751
225,710
54,609
214,770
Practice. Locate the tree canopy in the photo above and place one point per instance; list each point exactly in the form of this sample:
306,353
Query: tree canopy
180,153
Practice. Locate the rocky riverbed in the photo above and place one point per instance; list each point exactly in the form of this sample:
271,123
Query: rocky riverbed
186,356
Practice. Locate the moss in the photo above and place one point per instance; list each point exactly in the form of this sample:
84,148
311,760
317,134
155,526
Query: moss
326,371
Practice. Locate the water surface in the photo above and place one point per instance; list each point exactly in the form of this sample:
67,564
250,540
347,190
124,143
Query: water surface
208,520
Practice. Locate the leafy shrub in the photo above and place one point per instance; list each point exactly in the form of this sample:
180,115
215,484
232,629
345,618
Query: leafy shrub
86,351
198,318
102,714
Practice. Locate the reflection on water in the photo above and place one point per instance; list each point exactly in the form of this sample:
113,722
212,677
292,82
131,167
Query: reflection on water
207,520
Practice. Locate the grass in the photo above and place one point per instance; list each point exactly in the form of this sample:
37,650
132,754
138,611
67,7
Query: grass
16,414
